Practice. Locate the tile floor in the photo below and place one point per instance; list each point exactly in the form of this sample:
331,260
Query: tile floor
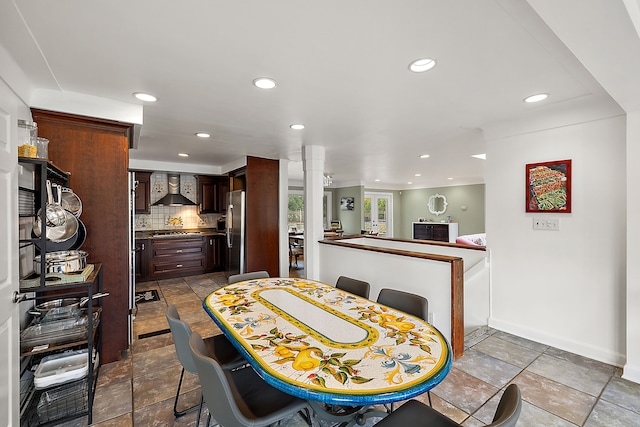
558,388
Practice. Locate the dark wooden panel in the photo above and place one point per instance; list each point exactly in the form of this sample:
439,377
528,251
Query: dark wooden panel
143,192
95,151
261,180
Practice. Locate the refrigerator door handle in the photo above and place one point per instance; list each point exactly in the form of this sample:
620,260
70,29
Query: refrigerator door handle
228,224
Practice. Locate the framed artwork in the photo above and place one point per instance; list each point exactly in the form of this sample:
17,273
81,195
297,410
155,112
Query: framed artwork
346,204
549,186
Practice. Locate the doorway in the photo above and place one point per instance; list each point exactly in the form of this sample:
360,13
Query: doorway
378,213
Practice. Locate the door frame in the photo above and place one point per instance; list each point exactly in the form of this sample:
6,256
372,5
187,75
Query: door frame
375,195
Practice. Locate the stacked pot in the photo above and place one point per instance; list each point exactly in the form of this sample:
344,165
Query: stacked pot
65,233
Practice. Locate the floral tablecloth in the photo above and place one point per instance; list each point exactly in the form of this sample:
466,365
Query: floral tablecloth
320,343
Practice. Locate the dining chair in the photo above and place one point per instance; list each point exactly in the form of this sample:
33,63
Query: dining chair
295,251
413,304
240,398
354,286
234,278
217,346
415,413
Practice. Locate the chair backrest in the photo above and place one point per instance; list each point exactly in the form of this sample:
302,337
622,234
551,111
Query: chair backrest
355,286
509,408
181,333
413,304
217,390
234,278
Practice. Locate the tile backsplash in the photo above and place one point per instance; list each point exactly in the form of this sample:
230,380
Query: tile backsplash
174,217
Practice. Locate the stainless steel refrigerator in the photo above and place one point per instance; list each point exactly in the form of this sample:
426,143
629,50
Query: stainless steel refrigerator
235,230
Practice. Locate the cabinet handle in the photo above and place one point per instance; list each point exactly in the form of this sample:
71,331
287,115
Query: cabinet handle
179,251
210,242
179,265
143,246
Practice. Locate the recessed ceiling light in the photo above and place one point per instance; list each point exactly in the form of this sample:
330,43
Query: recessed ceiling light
377,180
203,135
450,178
422,65
264,83
409,182
424,156
145,97
482,156
296,126
418,174
536,98
183,155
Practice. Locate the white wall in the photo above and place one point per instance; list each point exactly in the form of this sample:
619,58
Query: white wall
564,288
632,367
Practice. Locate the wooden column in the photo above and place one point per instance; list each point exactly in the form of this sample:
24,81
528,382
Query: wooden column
262,232
95,151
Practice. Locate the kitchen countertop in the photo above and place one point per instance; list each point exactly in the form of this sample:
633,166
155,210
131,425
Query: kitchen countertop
177,233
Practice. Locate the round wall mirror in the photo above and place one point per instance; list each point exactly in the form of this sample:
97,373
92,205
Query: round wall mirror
437,204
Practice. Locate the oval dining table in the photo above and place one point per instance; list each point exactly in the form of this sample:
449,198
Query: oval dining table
332,348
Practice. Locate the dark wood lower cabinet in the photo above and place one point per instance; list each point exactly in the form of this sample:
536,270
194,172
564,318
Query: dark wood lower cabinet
216,252
174,257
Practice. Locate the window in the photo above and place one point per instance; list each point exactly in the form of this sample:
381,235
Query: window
295,212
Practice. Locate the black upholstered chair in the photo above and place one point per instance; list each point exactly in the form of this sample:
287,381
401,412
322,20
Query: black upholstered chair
354,286
234,278
414,413
240,398
217,346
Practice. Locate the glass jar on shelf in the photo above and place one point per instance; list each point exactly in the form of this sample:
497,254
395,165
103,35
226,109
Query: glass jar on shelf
27,137
42,146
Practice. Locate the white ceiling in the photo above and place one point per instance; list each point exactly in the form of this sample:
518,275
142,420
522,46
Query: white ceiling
341,68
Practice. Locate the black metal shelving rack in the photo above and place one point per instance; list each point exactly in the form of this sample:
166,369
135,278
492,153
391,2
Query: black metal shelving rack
74,399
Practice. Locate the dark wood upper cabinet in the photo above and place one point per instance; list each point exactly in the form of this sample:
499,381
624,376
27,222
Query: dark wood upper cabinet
143,192
212,191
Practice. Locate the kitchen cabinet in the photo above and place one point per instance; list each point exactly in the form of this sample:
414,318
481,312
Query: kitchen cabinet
141,259
212,191
142,195
439,231
97,152
216,252
261,180
175,257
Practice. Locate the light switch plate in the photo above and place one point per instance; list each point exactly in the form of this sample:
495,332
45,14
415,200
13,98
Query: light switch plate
552,224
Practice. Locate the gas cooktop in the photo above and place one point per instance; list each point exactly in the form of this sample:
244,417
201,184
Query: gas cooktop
175,233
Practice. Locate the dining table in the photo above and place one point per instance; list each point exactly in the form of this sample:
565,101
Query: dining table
340,352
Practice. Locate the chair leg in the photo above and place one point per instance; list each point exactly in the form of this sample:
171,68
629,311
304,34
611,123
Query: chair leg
200,410
177,413
429,396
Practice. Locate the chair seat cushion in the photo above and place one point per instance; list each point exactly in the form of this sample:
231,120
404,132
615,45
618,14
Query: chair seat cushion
221,349
414,413
258,398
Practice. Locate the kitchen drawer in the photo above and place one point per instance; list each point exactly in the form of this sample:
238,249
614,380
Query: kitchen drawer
162,248
178,267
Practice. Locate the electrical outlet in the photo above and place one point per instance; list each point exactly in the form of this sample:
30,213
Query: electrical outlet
430,318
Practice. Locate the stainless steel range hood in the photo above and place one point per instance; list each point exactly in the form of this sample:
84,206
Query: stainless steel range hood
174,198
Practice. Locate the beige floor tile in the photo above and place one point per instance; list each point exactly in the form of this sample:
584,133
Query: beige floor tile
507,351
112,401
464,391
558,399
